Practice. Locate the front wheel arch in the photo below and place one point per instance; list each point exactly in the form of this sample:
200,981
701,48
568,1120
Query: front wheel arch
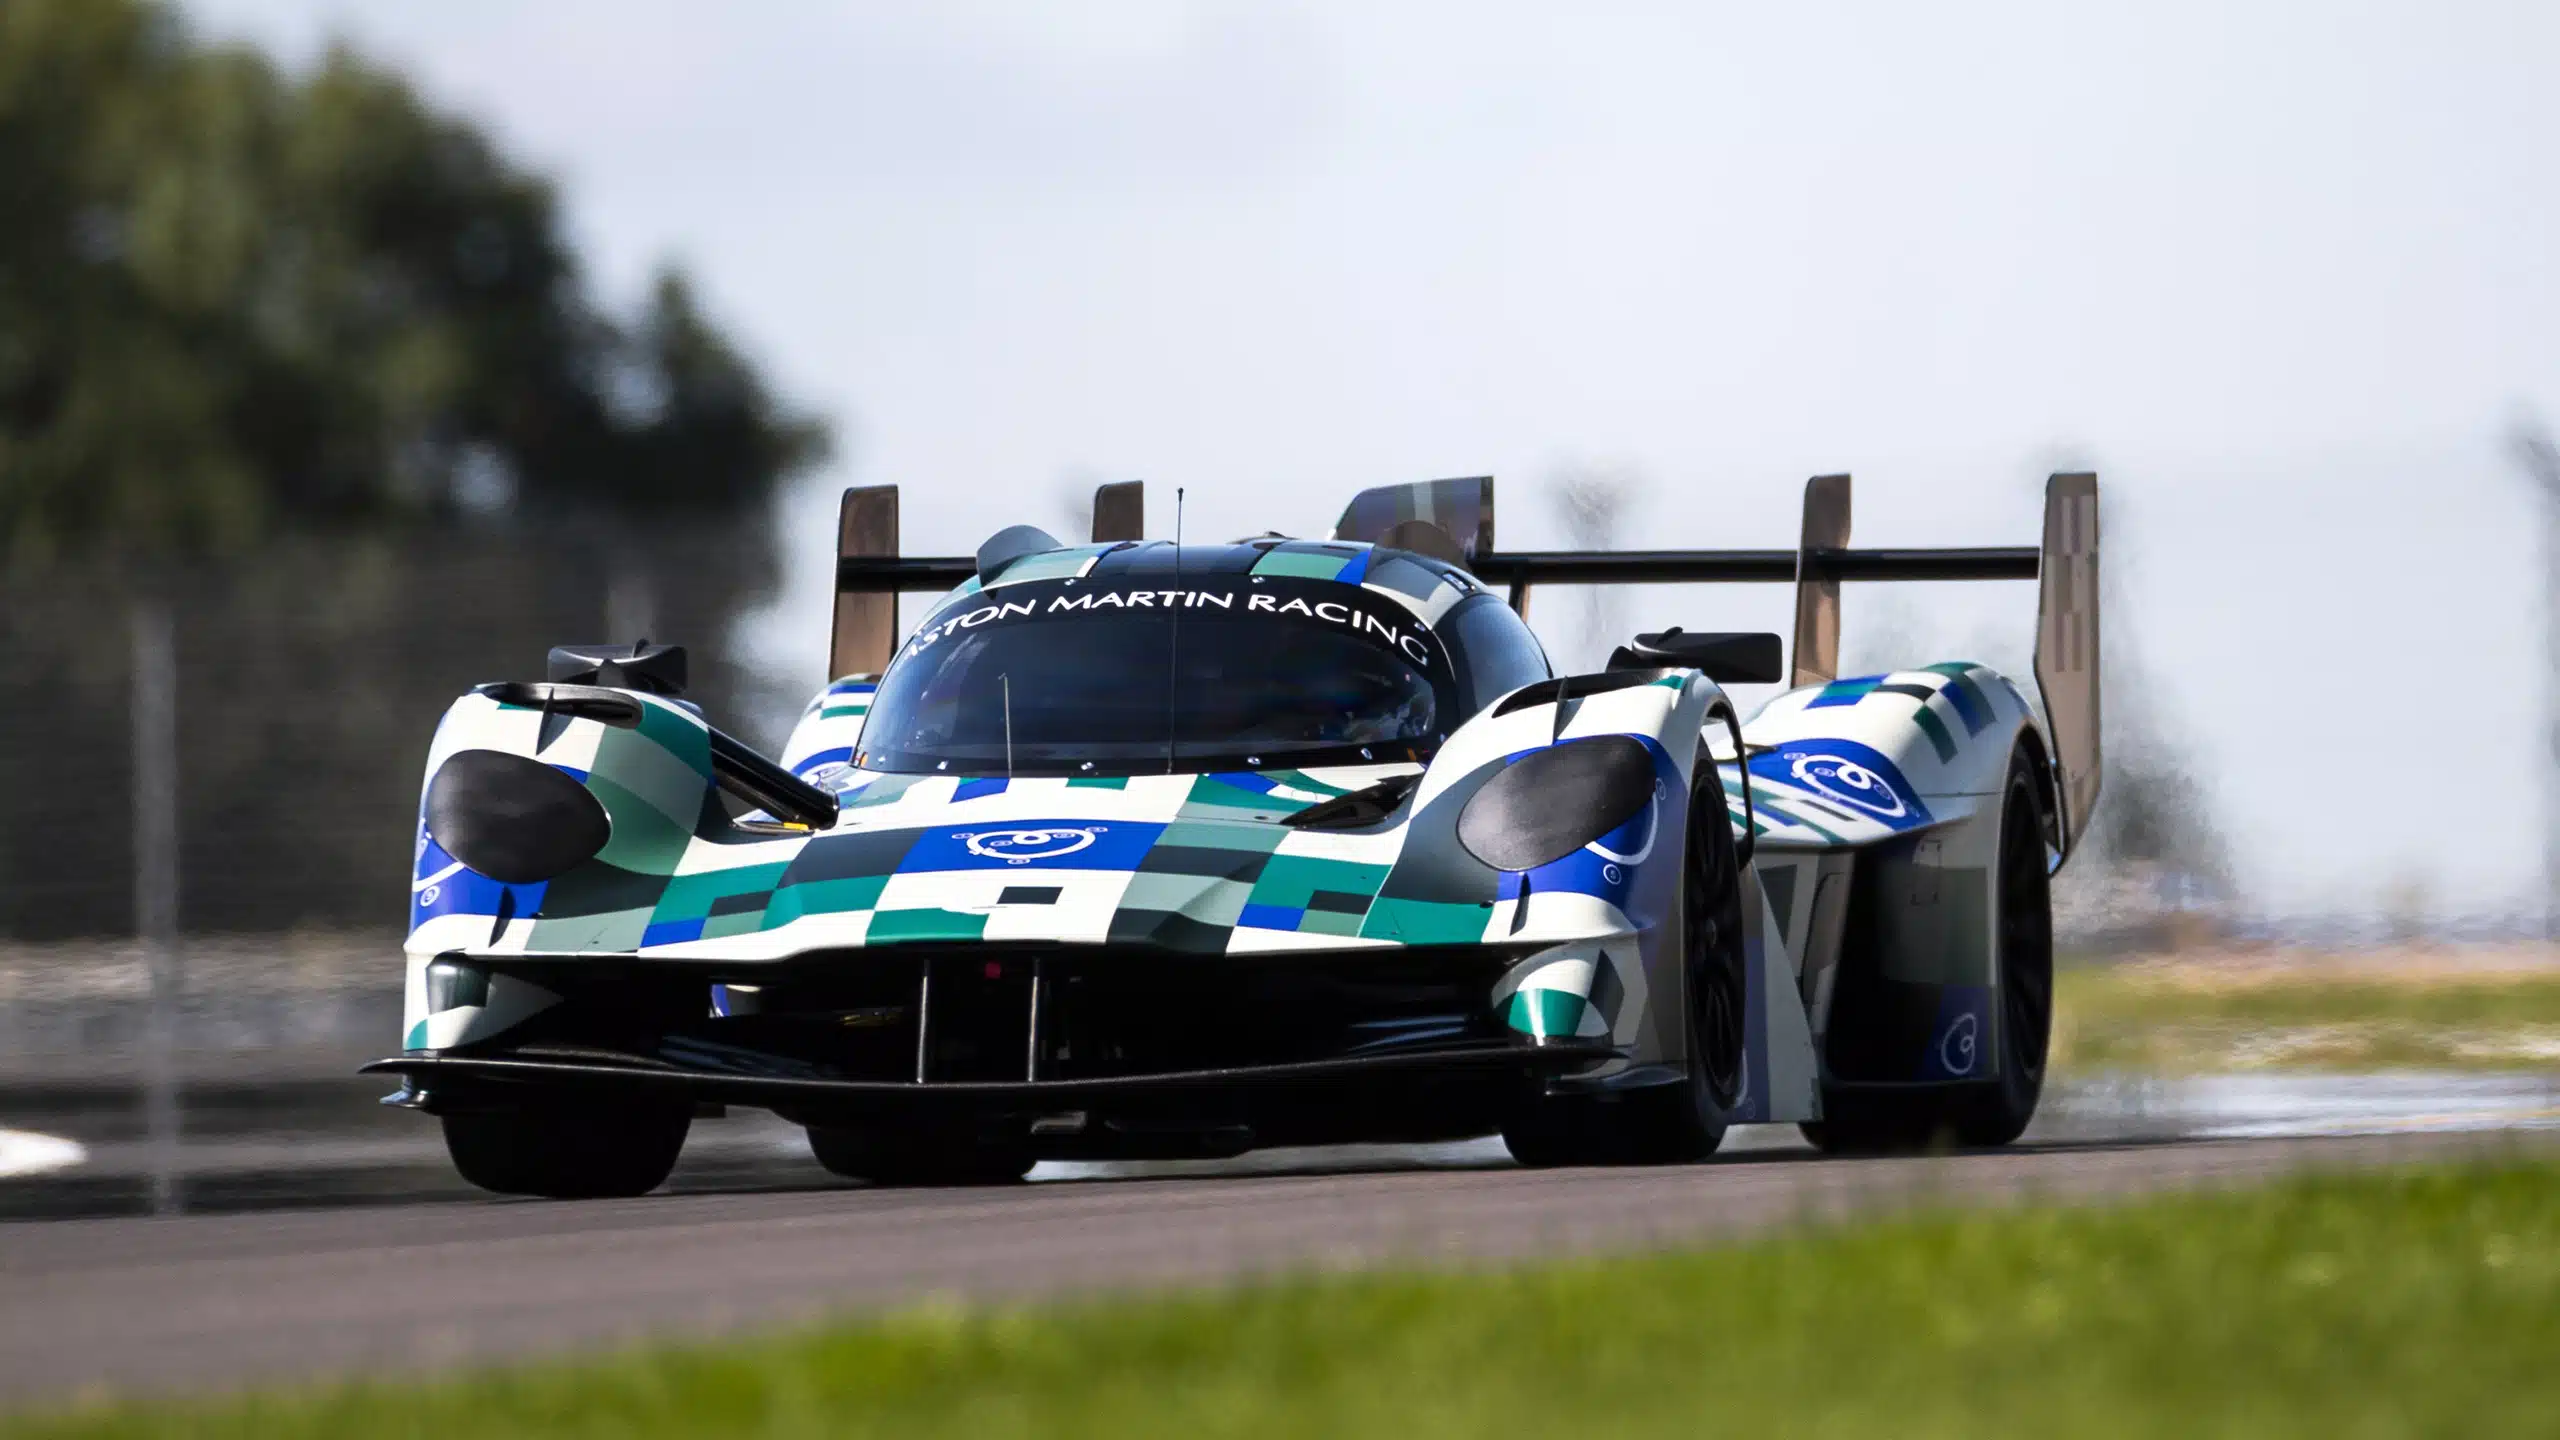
1682,1121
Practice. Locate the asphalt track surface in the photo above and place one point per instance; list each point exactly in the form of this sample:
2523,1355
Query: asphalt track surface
220,1301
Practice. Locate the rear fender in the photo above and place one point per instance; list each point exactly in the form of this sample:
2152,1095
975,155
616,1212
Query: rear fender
1862,760
1883,795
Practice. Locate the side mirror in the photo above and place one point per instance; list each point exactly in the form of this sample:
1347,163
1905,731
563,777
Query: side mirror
1728,657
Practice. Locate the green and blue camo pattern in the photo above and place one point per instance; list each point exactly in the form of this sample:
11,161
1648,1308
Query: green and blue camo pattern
1200,863
1185,862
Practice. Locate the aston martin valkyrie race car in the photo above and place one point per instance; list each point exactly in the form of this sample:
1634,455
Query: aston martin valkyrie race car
1134,849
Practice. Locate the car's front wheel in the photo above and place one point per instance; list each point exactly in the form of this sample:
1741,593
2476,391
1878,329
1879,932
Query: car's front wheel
1682,1122
570,1148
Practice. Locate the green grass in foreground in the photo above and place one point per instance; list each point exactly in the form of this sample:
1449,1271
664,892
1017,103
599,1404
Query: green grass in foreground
2421,1302
2113,1017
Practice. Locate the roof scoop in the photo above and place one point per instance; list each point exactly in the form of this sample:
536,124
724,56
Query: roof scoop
1009,544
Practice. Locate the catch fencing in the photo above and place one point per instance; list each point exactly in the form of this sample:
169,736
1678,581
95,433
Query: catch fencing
236,747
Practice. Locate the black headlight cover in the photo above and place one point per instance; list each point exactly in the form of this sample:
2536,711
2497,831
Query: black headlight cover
513,819
1552,802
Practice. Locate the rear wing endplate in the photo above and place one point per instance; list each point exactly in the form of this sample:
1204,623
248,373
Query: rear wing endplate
2067,668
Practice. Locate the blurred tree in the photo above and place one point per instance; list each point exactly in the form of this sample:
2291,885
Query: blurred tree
309,366
234,301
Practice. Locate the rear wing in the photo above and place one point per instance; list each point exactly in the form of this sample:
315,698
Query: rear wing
1452,520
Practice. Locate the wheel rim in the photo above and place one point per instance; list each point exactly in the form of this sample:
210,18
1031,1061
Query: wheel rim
1711,916
2026,946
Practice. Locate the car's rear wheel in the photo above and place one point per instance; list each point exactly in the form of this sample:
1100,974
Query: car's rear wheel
570,1147
889,1157
1684,1122
1993,1112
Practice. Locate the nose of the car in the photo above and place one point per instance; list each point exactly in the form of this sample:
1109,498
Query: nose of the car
1198,873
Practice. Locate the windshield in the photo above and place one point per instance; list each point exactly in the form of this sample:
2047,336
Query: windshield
1086,676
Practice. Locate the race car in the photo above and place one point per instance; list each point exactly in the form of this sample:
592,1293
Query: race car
1136,849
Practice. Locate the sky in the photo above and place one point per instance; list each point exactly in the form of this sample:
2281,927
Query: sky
2279,273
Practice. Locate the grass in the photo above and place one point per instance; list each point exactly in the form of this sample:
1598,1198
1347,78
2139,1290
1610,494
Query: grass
2397,1303
2174,1018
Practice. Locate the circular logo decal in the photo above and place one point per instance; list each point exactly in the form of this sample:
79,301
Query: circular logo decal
1021,847
1956,1051
1851,783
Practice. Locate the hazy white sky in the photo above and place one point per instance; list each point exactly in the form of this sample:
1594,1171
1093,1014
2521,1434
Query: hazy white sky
2280,273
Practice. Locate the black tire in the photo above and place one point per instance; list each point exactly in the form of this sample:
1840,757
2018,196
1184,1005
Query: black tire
582,1149
1859,1121
1682,1123
1998,1113
889,1158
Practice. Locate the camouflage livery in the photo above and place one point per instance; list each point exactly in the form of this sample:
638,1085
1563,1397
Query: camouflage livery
1875,820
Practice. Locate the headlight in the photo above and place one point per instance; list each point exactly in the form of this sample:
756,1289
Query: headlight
513,819
1553,802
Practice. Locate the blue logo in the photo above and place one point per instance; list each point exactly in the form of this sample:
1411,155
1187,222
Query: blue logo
1856,779
1021,847
1065,844
1850,783
1959,1048
1957,1042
